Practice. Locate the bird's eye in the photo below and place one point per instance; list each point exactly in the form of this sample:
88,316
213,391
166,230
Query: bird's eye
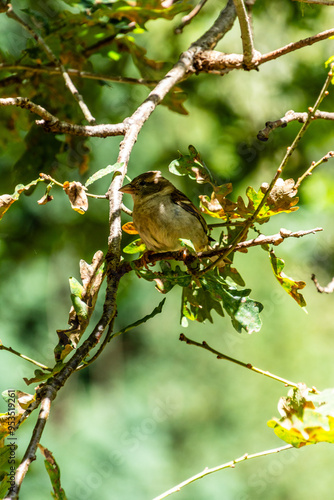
142,183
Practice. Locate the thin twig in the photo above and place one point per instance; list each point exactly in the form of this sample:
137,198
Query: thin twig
51,70
17,353
226,465
100,349
108,40
51,56
291,47
126,210
212,61
290,116
48,178
323,289
249,366
246,32
189,17
314,165
51,123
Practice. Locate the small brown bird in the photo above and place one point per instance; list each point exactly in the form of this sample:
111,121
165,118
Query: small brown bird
162,214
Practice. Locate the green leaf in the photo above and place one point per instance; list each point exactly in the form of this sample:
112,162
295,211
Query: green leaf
80,307
174,101
148,68
156,310
53,471
166,279
212,292
244,311
136,246
3,484
307,418
187,244
290,285
40,375
145,10
102,173
191,165
4,455
197,304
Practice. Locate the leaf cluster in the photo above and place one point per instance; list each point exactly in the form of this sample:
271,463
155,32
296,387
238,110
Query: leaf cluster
222,289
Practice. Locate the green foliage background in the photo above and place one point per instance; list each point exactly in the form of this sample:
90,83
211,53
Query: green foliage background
153,411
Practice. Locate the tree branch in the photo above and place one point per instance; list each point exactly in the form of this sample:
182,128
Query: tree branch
249,366
50,123
51,56
275,239
227,465
211,61
51,70
189,17
323,289
314,164
17,353
246,33
291,116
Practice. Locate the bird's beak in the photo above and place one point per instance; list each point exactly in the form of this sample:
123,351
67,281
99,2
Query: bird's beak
128,188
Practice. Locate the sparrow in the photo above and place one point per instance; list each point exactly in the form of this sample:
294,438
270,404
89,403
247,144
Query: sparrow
162,214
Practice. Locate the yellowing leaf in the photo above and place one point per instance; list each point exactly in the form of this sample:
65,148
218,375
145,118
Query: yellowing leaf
291,286
129,228
5,202
307,418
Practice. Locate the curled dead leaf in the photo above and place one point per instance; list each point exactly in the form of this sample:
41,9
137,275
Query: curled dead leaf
45,199
5,202
76,193
283,194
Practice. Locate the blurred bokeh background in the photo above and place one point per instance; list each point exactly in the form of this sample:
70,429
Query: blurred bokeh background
153,411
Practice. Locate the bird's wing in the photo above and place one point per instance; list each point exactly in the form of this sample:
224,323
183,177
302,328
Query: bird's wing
180,199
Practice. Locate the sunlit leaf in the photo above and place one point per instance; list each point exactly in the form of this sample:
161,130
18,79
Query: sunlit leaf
307,418
5,202
80,307
166,279
102,173
212,292
136,246
290,285
191,165
197,304
46,197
